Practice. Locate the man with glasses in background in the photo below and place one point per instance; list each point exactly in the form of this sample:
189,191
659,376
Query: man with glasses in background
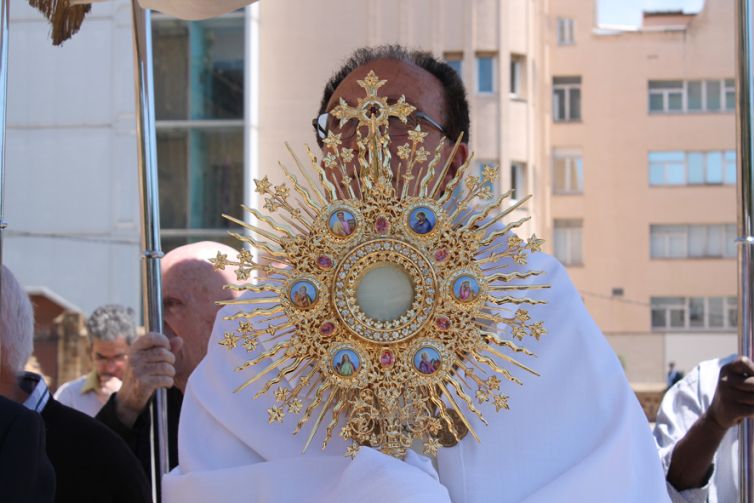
111,330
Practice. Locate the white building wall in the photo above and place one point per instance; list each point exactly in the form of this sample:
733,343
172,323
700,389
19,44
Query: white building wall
686,350
71,196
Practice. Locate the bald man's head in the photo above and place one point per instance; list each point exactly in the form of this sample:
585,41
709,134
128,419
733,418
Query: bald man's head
190,287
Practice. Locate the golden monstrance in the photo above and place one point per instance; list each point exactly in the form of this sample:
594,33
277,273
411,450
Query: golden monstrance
383,296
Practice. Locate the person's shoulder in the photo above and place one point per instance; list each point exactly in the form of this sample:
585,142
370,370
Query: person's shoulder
550,272
10,408
720,362
711,368
73,383
701,380
26,473
544,261
75,423
70,387
69,428
83,449
14,413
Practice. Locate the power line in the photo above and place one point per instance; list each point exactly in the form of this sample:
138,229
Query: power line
613,298
84,238
128,242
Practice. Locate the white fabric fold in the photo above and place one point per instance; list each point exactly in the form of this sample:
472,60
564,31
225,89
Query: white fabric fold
190,10
194,9
576,433
370,477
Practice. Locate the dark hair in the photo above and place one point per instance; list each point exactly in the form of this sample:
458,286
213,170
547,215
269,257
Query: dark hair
456,106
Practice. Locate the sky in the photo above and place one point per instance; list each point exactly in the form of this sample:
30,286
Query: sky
628,12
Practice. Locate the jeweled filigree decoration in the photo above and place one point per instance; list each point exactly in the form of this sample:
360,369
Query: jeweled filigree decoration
381,290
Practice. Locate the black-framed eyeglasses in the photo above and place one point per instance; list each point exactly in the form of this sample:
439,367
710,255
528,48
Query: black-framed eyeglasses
324,123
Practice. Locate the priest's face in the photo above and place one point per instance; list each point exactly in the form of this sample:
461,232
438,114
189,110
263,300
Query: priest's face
421,89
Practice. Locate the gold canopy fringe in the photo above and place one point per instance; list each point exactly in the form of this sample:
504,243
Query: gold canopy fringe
64,18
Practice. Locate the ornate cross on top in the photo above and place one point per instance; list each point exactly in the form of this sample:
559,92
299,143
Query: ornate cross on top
373,110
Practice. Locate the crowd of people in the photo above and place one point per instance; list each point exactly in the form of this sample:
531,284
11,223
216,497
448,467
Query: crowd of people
581,435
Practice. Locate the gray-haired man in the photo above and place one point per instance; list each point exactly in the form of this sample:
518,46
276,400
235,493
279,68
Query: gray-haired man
111,330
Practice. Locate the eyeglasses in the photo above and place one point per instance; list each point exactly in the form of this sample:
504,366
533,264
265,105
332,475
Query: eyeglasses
326,123
119,358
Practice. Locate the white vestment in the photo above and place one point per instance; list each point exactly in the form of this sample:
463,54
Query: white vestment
575,434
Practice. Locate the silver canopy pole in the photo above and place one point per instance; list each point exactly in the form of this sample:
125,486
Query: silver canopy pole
745,98
150,218
4,14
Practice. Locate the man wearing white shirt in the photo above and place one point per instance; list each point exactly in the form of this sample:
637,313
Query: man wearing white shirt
111,330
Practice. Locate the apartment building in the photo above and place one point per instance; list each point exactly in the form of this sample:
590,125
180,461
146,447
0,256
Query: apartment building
641,154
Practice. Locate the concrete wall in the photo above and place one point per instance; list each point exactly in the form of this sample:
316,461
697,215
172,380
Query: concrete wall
71,158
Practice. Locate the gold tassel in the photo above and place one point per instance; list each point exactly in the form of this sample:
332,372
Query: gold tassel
65,18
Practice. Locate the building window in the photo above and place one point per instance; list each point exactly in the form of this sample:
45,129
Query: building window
518,180
517,76
568,172
694,313
668,312
566,99
199,109
485,73
565,31
455,61
679,96
675,167
730,94
665,95
494,185
693,241
731,311
567,237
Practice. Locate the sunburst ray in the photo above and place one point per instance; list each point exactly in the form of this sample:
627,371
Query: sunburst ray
280,375
261,374
319,194
323,410
324,386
